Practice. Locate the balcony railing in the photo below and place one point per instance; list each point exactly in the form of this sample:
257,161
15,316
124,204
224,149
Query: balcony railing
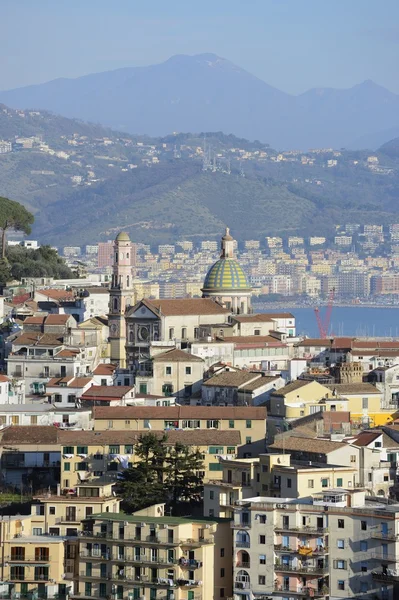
381,535
242,564
388,577
302,569
235,525
243,544
302,530
302,591
242,585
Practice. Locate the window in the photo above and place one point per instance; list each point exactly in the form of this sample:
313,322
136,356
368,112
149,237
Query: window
221,552
196,333
83,466
168,370
339,564
112,466
215,449
262,519
377,445
81,450
67,466
363,525
57,398
365,403
129,449
68,450
324,482
231,450
212,424
143,388
341,584
248,440
341,524
221,593
114,449
248,424
289,482
364,586
51,510
211,495
256,331
363,546
339,482
310,483
37,531
363,566
341,544
353,458
262,580
188,370
231,424
262,539
262,559
171,333
87,588
222,572
215,467
71,398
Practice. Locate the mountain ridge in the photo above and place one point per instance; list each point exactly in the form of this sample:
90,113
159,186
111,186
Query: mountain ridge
208,93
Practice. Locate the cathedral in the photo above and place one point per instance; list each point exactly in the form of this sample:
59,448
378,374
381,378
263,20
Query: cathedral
134,327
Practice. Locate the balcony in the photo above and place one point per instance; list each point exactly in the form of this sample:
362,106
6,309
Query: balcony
188,563
142,559
302,530
281,548
242,564
380,535
243,544
41,559
240,525
302,591
191,543
242,585
385,576
313,571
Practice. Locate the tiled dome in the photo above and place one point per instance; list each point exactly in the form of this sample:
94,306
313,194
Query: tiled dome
226,274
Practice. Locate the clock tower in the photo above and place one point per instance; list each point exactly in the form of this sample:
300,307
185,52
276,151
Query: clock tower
121,297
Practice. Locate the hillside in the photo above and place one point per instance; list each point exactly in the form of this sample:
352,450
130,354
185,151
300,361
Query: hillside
83,183
208,93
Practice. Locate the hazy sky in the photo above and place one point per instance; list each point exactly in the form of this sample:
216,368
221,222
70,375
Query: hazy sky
291,44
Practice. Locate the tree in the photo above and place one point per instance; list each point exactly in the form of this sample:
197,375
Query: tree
13,216
182,476
142,484
5,273
162,475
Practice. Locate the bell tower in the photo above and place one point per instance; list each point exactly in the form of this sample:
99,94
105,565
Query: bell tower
121,297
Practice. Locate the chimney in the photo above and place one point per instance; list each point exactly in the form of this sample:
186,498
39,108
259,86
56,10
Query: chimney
58,489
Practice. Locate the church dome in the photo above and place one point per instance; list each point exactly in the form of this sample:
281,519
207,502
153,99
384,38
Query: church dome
225,274
123,237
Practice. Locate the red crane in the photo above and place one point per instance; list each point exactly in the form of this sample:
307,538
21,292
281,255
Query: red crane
324,325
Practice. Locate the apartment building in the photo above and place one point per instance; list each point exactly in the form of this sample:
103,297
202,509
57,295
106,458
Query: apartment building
333,545
151,556
249,421
90,456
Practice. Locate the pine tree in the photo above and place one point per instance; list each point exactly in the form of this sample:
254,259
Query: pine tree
182,476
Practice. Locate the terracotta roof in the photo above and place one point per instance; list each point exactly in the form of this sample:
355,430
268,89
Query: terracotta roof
4,379
98,392
378,353
252,339
282,315
233,379
342,342
67,353
186,306
52,294
291,387
366,437
259,318
29,434
20,299
97,290
57,319
177,355
375,345
104,369
39,339
35,320
318,446
353,388
197,437
257,383
71,382
174,413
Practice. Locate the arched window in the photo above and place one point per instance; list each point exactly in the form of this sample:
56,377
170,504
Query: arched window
127,255
127,280
131,337
116,257
115,303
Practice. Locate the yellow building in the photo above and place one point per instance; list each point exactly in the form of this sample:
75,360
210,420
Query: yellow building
87,456
151,556
249,421
34,563
364,403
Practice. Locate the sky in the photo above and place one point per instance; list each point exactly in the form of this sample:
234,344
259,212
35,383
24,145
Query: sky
293,45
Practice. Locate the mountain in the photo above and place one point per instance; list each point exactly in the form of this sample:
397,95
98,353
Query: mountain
391,148
84,183
208,93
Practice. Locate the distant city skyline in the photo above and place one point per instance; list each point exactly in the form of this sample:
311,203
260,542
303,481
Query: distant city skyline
290,45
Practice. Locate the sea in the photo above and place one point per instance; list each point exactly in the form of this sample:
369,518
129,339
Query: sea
360,321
